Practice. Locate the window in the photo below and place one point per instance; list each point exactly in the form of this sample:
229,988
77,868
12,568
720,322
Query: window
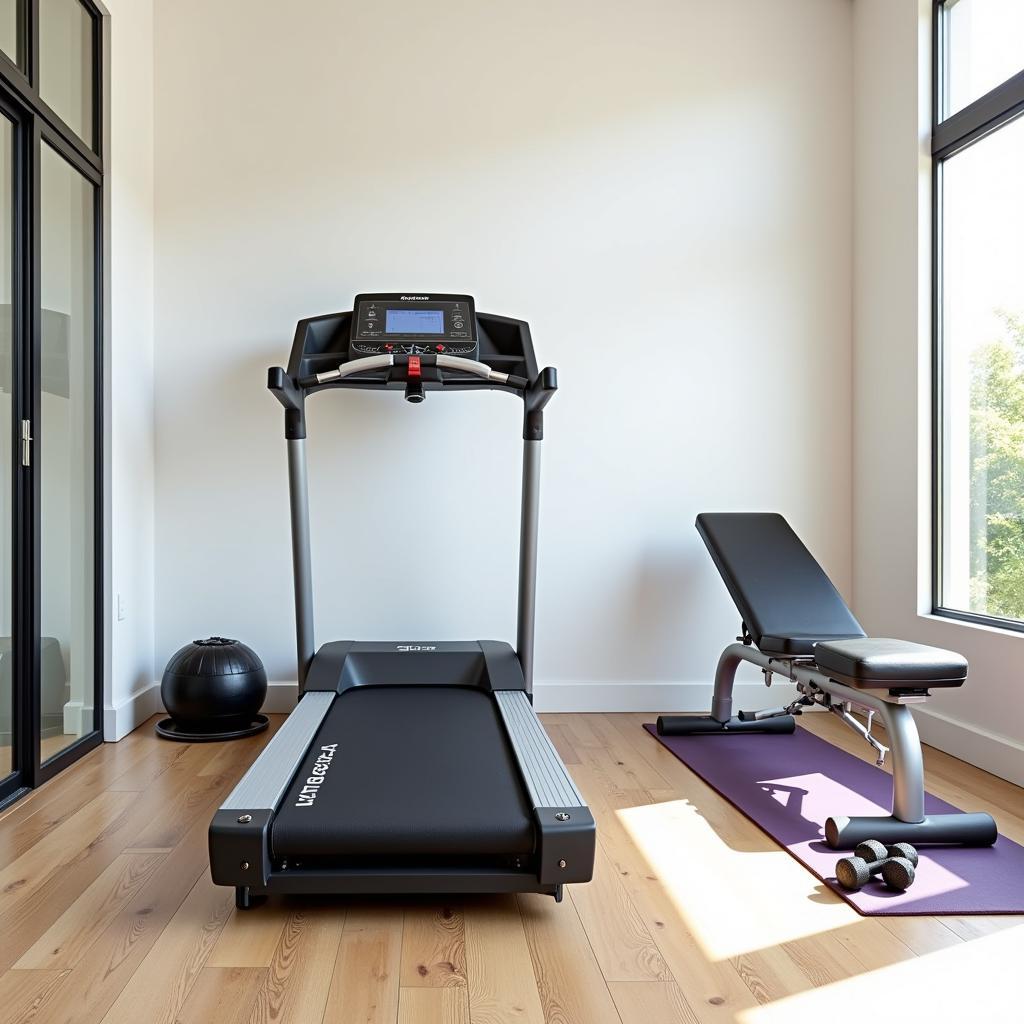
978,315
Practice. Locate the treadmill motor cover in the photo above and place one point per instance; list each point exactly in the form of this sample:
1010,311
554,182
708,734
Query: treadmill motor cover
399,771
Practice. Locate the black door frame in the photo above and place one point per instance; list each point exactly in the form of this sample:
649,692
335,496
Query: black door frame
36,124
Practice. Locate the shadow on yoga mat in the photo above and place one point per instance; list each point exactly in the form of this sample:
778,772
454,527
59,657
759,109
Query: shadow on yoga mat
789,785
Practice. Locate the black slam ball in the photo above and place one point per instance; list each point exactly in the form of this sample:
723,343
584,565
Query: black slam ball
213,689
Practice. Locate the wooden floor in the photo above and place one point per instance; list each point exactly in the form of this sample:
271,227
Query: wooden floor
107,913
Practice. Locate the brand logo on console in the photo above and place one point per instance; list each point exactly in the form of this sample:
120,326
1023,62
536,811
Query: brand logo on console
415,647
408,298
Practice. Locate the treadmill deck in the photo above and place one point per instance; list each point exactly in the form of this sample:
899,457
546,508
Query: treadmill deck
406,771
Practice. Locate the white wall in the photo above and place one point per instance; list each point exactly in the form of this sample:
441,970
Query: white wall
984,721
129,320
666,183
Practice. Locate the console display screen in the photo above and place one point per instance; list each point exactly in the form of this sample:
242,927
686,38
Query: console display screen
414,321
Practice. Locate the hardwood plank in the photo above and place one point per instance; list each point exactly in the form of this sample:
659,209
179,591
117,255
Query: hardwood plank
23,994
651,1002
571,987
713,988
222,995
770,973
298,980
160,985
621,942
365,984
562,742
66,941
250,939
35,888
980,925
85,995
629,751
20,831
180,796
431,1006
141,773
433,947
88,775
502,984
923,935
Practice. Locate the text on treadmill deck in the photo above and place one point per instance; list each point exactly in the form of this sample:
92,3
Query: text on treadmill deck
319,772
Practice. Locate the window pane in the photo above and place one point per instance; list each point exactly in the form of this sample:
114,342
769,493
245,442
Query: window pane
6,427
65,62
983,377
9,28
984,47
66,455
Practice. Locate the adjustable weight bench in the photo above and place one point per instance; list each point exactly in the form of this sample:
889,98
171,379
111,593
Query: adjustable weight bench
796,625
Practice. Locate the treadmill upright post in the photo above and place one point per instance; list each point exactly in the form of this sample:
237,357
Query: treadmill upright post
298,492
528,559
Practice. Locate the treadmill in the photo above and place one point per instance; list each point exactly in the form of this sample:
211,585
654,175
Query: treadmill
408,767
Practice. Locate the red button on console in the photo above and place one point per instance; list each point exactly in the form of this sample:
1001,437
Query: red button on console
414,366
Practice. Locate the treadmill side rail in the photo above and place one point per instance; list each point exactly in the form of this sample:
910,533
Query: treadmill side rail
263,785
240,831
566,833
547,780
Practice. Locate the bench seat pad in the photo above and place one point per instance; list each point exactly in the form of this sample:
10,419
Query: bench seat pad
878,663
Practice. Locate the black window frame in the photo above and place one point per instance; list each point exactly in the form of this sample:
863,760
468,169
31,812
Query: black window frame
950,136
36,124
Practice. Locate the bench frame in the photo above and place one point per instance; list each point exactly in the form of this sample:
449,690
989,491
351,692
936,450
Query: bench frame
908,821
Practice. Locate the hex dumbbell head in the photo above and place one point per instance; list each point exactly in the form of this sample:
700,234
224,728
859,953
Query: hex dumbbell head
852,873
898,873
904,850
871,850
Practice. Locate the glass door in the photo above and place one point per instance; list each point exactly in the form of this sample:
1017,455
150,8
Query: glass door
8,411
65,456
51,564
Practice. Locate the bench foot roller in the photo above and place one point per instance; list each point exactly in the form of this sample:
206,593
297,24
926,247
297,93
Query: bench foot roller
693,725
940,829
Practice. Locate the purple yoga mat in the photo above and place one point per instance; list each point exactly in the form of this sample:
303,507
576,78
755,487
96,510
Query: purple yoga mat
789,785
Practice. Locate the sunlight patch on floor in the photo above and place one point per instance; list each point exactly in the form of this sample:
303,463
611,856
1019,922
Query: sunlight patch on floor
759,897
977,980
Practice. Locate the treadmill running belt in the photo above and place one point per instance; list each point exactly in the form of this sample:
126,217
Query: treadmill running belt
415,771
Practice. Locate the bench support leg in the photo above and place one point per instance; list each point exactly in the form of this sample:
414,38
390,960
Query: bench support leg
908,821
721,718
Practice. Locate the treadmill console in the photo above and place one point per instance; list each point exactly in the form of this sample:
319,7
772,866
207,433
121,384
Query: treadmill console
413,324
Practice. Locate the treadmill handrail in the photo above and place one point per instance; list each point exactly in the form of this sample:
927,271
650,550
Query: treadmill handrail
369,364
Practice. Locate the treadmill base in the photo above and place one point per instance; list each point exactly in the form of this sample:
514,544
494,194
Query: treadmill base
453,882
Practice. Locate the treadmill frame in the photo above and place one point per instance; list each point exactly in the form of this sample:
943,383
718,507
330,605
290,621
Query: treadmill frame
241,831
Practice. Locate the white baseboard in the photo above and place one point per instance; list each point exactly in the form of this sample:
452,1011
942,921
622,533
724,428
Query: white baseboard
1000,755
281,697
121,718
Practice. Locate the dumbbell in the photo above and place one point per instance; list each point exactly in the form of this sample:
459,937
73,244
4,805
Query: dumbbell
895,863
